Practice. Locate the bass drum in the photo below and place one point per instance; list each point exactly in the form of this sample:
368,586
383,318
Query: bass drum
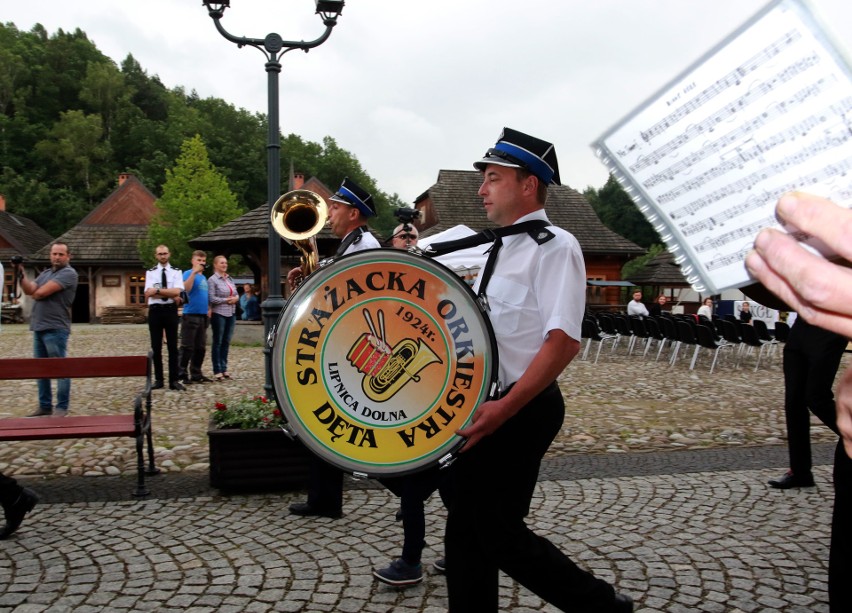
379,358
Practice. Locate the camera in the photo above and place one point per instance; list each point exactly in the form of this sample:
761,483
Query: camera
406,214
17,260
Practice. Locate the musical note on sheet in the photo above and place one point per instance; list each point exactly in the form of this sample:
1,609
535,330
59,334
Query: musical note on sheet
767,111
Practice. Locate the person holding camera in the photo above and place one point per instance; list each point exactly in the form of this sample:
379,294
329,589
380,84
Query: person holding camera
193,327
53,293
404,236
163,286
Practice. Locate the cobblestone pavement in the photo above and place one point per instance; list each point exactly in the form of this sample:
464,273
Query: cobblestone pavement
656,483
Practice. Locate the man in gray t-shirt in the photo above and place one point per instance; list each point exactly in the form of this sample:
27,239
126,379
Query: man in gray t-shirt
53,292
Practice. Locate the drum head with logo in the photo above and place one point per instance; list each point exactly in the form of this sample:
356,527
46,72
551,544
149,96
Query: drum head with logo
379,358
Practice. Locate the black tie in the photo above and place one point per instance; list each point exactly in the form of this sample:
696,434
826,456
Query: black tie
489,265
163,283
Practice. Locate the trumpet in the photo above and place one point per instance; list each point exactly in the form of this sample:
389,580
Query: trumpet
297,217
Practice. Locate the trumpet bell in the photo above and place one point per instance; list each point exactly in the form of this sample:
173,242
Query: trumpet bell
298,215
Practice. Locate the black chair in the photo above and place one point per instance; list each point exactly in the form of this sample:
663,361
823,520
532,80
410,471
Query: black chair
622,328
685,336
592,333
707,339
667,327
731,335
640,330
763,334
782,331
652,327
751,341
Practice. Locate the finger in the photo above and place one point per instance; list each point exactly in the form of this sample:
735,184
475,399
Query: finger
844,410
820,218
819,282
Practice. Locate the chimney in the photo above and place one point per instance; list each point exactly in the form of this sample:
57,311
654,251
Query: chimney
2,202
298,180
122,178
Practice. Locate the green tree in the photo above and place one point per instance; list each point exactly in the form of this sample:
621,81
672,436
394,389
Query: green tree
620,214
637,264
196,198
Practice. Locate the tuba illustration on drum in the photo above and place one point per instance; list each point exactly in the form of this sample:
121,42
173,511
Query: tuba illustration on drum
387,370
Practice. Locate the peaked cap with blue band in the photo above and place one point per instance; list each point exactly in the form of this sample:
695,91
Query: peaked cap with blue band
518,150
352,194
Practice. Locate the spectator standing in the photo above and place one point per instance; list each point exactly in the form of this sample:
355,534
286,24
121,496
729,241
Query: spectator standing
636,306
249,304
821,293
163,285
223,298
811,359
193,328
53,292
348,211
534,283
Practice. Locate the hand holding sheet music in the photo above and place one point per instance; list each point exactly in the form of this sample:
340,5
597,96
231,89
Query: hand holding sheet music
766,112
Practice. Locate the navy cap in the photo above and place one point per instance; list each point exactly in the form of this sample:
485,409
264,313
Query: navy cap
518,150
351,194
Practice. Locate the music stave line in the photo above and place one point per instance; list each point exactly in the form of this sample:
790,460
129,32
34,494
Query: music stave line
732,79
744,130
794,70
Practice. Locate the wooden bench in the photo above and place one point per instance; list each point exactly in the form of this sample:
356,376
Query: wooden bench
136,424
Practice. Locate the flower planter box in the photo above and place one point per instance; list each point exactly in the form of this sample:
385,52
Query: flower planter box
256,460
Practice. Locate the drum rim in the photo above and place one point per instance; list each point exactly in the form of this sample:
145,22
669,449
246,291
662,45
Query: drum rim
384,470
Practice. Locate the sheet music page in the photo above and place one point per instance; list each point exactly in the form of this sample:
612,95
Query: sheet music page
706,159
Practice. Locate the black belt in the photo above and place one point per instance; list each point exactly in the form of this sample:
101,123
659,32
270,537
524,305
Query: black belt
195,315
170,305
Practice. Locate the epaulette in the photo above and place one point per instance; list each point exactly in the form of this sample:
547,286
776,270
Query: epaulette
541,235
154,267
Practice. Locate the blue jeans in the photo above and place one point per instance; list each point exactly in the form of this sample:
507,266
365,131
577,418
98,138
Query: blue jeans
223,330
52,344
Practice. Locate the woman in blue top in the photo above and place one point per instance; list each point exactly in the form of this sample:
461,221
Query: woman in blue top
249,304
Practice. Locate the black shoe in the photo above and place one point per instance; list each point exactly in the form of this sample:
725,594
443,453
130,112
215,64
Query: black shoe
201,379
177,386
306,510
398,515
789,481
158,385
15,512
185,381
622,604
41,413
440,565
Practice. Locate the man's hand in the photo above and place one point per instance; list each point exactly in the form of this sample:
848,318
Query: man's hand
294,278
818,290
488,416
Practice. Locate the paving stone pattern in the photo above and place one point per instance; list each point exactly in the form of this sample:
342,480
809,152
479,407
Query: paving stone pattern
657,483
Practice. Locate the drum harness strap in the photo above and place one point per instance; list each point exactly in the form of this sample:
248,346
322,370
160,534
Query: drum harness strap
534,227
351,239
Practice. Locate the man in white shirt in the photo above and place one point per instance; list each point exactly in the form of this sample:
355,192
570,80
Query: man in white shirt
636,306
163,285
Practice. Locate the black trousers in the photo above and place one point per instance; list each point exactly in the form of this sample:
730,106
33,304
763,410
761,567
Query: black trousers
164,318
413,491
9,490
840,557
325,489
811,359
491,490
193,345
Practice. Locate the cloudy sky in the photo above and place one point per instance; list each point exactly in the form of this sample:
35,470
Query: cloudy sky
414,86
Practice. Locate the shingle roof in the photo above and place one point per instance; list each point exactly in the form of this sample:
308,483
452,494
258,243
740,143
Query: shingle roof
24,235
455,202
111,244
111,232
661,271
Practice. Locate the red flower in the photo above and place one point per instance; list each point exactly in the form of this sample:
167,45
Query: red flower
277,413
220,406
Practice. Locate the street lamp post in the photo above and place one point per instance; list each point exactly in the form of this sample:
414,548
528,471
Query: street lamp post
273,47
